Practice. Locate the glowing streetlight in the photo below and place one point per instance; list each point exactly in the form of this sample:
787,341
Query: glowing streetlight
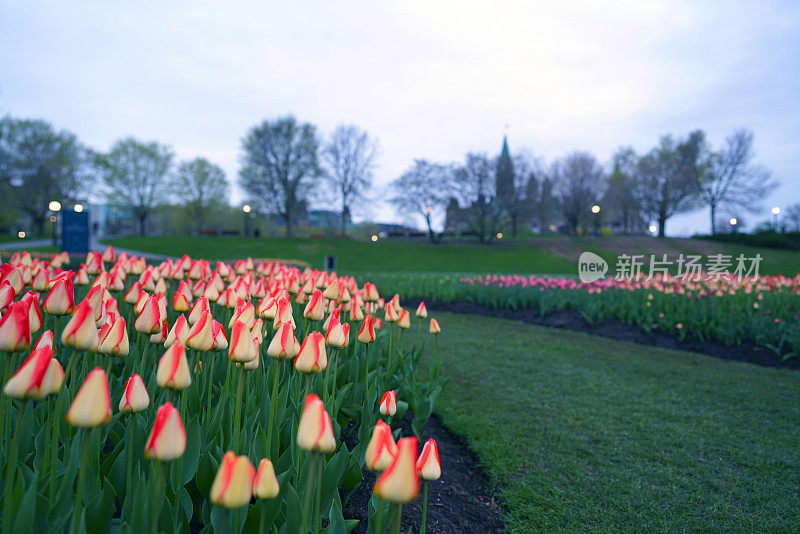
733,221
595,209
775,211
374,238
54,205
246,208
652,228
78,208
21,235
499,235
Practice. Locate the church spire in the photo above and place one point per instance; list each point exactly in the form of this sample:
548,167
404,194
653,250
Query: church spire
504,177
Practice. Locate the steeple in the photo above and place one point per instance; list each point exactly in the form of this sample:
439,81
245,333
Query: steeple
504,178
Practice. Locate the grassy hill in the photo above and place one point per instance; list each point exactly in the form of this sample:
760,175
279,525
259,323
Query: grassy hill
555,254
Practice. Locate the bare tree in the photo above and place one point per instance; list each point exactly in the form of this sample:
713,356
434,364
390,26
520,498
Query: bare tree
474,186
280,167
39,164
792,217
135,174
421,190
522,208
668,178
202,188
731,180
620,194
348,163
578,180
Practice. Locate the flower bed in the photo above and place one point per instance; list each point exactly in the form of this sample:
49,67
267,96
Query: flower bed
206,398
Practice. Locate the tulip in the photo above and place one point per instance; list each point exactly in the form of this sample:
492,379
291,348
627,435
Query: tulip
13,275
134,398
245,312
200,305
179,332
434,328
82,277
370,292
428,464
405,319
265,485
315,431
315,309
233,484
114,341
39,280
312,357
149,319
284,344
390,312
45,340
381,449
173,369
399,483
15,329
182,300
366,334
161,336
241,347
53,378
167,440
80,332
219,335
7,295
27,382
132,295
92,404
388,406
284,313
201,335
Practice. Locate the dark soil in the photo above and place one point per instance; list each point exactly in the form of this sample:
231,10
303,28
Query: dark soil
573,320
460,501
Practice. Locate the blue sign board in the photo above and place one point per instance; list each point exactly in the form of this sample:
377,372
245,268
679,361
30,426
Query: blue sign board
75,231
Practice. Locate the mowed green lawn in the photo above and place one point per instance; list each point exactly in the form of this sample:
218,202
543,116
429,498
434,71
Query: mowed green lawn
552,255
581,433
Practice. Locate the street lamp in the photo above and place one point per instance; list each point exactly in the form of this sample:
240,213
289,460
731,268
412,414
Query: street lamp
733,222
595,209
246,209
652,228
78,208
775,211
55,207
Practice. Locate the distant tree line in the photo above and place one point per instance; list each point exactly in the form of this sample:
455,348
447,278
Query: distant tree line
487,196
286,165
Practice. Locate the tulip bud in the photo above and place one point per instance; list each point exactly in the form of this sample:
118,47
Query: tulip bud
389,403
356,313
45,340
92,404
114,341
27,382
434,329
53,378
132,295
15,329
312,357
80,332
366,334
173,369
337,335
245,312
265,485
7,295
149,320
315,431
109,255
266,308
241,346
167,440
233,485
400,482
428,465
284,313
405,319
220,337
381,449
422,311
82,277
284,344
179,332
161,336
315,309
134,398
13,275
199,306
31,300
182,300
201,335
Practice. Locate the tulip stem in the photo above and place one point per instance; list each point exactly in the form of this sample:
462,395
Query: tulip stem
87,437
312,462
424,506
318,493
273,401
398,516
211,381
237,417
325,386
366,368
262,521
12,470
335,373
158,469
132,429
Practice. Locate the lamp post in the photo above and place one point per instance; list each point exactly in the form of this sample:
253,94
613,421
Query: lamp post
246,210
596,211
55,207
775,211
733,222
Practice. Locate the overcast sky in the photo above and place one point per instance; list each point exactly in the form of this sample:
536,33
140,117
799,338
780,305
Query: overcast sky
429,79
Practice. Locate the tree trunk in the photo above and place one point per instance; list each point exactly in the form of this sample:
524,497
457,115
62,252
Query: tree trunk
344,222
288,218
431,235
142,227
662,226
38,221
713,217
514,226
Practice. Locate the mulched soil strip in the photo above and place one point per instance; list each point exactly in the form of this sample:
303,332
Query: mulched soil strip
460,501
615,329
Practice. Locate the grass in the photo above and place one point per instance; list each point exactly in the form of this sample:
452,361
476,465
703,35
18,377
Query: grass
556,255
584,433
